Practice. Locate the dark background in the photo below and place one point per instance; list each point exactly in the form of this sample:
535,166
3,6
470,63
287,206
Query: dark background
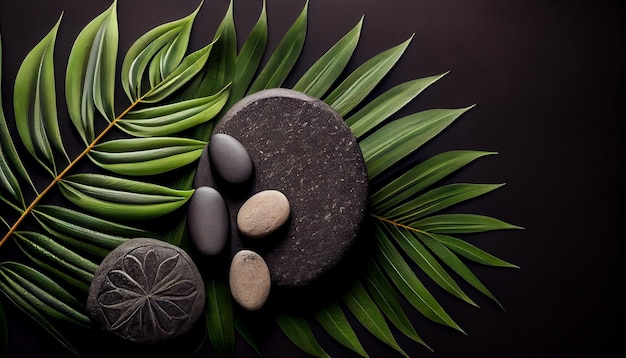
548,80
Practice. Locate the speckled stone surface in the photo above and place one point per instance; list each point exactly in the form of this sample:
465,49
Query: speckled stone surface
146,291
301,147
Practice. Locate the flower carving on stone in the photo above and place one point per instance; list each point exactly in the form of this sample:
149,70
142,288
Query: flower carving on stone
147,293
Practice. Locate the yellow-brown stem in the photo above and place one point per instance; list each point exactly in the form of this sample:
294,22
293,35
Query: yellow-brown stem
395,223
60,176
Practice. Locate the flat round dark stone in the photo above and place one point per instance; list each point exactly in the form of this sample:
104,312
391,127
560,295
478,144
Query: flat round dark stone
146,291
301,147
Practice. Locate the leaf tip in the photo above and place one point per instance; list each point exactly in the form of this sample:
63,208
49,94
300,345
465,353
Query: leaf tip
406,43
202,3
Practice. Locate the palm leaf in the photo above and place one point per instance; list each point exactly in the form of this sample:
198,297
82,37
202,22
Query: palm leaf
297,329
471,252
185,72
438,199
284,57
43,293
427,263
84,232
169,119
451,260
321,76
90,77
386,299
121,199
334,321
31,305
408,283
243,328
8,154
174,96
367,312
219,318
220,68
249,59
10,189
385,147
146,156
387,104
62,262
347,95
164,47
420,177
35,104
461,224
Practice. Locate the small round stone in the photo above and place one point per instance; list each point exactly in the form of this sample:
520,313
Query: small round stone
249,280
230,159
207,220
263,213
146,291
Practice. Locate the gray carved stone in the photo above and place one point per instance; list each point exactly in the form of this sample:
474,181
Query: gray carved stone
146,291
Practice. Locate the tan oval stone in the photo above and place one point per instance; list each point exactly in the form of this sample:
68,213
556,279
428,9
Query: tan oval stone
249,280
263,213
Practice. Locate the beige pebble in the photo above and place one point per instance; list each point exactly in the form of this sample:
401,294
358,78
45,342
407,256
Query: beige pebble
249,280
263,213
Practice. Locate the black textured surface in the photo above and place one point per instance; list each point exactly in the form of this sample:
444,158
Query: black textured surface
301,147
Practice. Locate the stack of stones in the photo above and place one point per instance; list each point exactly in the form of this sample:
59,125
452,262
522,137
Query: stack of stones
259,217
270,146
281,191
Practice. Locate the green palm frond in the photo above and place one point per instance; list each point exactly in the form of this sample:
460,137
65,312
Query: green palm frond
174,98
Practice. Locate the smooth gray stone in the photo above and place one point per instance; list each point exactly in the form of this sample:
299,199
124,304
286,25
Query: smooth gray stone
263,213
207,221
230,159
146,291
249,280
301,147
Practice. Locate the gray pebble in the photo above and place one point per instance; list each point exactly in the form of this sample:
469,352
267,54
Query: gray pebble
230,159
146,291
249,280
263,213
207,221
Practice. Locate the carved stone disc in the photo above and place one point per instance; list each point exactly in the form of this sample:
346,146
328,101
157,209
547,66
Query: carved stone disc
146,291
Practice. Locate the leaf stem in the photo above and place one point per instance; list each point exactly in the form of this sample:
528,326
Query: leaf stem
395,223
69,167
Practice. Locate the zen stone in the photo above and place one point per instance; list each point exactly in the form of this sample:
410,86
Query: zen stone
263,213
207,220
230,159
249,280
301,147
146,291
